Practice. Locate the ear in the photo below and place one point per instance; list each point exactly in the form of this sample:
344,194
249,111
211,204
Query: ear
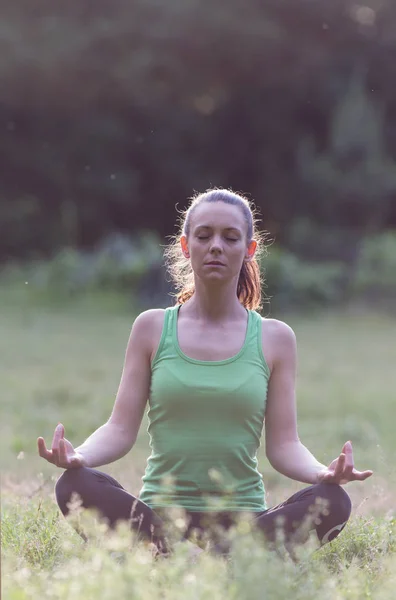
184,246
251,250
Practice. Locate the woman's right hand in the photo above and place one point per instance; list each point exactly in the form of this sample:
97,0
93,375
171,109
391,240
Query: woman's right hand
62,453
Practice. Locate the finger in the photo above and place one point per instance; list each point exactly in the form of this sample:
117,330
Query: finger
42,449
348,464
361,475
338,471
62,457
347,449
58,434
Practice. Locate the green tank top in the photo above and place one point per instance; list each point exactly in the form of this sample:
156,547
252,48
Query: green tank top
205,424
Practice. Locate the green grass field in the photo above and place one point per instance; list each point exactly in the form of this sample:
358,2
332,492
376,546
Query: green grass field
64,364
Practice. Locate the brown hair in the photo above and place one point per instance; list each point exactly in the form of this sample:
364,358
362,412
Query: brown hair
250,279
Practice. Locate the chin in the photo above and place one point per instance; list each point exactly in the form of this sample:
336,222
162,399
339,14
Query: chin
212,276
216,273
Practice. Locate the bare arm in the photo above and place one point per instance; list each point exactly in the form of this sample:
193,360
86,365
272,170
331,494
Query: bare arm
284,449
117,436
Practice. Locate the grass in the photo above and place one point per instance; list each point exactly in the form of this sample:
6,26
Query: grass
63,363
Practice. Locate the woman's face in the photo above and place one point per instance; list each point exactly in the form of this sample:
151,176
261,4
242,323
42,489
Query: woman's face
217,242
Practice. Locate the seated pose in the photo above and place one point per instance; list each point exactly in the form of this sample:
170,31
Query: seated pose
213,372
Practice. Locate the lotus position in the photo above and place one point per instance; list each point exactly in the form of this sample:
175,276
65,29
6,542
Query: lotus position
214,374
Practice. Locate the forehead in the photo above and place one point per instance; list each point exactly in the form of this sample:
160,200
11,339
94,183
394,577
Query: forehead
218,214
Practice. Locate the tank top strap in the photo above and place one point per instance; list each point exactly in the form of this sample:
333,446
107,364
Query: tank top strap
170,323
254,337
170,318
253,333
166,343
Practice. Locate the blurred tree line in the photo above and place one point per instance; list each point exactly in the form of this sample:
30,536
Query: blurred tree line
114,112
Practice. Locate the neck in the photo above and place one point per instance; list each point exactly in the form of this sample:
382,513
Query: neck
217,303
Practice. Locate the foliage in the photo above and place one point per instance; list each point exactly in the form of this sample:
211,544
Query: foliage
375,274
357,564
365,543
64,365
295,284
133,268
111,116
354,181
119,263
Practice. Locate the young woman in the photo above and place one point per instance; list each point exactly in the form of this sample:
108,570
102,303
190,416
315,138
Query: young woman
213,371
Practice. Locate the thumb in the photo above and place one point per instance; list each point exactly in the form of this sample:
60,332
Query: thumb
347,447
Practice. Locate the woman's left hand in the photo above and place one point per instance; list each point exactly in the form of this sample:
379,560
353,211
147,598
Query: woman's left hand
342,470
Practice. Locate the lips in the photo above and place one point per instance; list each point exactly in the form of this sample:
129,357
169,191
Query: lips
215,262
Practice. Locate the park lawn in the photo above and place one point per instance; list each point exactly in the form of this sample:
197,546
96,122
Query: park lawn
63,363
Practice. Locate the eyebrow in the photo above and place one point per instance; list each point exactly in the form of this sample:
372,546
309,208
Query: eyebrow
225,228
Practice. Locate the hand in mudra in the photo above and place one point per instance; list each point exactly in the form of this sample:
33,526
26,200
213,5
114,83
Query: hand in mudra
342,470
62,453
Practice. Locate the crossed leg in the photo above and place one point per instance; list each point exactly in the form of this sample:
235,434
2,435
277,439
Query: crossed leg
323,507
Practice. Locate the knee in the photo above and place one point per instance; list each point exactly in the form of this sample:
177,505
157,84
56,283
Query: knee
337,511
70,481
338,501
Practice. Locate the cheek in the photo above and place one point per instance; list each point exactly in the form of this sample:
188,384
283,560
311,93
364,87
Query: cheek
238,253
196,253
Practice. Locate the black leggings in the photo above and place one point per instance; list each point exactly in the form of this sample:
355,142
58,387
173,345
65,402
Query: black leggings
324,507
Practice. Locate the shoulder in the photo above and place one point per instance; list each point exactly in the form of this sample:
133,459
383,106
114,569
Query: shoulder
149,319
148,323
278,340
147,329
278,330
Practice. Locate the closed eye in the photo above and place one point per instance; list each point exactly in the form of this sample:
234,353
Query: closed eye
206,237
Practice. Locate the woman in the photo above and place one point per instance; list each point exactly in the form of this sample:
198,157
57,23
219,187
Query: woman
212,369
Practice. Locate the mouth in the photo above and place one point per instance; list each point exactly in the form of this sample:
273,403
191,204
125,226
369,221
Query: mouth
215,263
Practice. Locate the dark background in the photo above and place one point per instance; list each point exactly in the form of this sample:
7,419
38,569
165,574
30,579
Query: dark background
111,114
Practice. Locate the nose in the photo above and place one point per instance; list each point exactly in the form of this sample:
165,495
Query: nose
216,247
